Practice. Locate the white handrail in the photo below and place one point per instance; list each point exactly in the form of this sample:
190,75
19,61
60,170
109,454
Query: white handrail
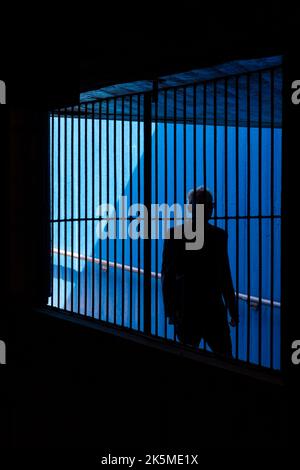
125,267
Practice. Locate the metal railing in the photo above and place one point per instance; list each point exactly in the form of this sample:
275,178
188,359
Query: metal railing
255,301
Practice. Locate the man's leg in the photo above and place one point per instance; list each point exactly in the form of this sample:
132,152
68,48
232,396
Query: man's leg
187,334
218,338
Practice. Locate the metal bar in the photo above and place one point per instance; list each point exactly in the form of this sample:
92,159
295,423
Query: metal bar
184,147
166,171
93,208
237,206
86,208
259,219
230,217
204,134
226,152
123,189
248,212
58,211
79,212
52,202
107,201
100,202
157,222
194,149
175,146
72,212
215,153
147,203
175,158
289,225
204,147
130,196
272,86
139,201
65,211
185,158
115,204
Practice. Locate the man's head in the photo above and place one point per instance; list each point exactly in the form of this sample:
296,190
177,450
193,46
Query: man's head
202,196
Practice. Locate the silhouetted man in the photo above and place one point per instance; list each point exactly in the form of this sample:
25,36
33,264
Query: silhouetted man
197,285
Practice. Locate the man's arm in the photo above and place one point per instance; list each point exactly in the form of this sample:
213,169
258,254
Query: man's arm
228,289
168,278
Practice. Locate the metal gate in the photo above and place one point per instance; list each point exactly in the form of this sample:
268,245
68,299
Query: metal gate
153,147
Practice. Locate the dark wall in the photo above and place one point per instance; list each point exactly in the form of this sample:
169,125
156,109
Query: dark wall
68,387
29,257
193,37
76,389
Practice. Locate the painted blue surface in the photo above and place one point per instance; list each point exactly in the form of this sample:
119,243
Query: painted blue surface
84,271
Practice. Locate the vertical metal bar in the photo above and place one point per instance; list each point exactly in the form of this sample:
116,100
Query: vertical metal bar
93,210
59,214
107,201
147,203
259,216
157,222
175,162
272,86
166,170
72,210
237,205
226,151
185,162
86,209
194,137
204,147
52,204
248,214
130,196
65,212
139,201
184,146
115,205
79,210
100,202
215,152
123,221
204,133
288,222
175,146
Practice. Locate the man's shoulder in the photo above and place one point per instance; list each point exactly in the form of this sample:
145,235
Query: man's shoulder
217,232
174,229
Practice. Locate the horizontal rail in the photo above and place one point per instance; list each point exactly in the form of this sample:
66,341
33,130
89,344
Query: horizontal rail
172,219
112,264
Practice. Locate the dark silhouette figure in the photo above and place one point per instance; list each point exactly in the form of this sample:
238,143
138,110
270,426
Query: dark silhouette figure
197,285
